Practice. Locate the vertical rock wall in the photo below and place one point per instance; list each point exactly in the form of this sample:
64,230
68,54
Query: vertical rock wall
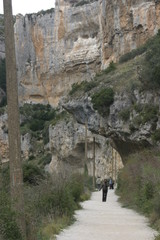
55,50
125,25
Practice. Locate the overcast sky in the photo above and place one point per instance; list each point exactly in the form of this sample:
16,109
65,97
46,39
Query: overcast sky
29,6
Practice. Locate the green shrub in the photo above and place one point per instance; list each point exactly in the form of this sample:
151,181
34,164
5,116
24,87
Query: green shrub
36,118
130,55
146,113
81,3
8,227
83,86
32,174
59,117
102,100
75,186
149,113
2,110
46,159
111,67
138,108
36,125
141,174
156,135
151,68
45,132
125,114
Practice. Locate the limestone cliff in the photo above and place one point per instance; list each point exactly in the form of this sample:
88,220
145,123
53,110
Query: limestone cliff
71,43
55,50
133,119
125,25
67,145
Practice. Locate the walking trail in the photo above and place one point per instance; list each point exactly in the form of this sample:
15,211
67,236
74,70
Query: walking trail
107,221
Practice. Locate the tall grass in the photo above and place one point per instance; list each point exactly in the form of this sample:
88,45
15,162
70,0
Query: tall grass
139,184
50,203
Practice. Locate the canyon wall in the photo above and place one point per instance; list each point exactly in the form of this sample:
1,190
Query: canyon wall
72,42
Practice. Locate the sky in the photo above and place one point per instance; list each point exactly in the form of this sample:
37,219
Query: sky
29,6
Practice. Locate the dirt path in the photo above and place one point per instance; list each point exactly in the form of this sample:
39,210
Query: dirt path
107,221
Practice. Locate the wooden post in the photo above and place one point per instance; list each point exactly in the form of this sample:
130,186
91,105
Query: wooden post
16,176
86,147
115,167
94,163
112,163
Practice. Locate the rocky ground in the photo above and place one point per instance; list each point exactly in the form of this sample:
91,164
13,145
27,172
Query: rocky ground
107,221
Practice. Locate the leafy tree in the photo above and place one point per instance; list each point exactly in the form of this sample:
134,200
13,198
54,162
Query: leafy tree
102,100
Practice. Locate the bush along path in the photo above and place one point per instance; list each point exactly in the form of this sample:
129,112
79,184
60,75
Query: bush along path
107,221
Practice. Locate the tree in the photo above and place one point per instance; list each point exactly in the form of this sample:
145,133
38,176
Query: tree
16,176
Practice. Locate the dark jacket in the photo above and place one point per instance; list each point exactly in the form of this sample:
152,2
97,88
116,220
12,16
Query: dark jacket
104,186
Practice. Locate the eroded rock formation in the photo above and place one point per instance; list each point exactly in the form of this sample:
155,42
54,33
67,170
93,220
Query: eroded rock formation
71,43
67,145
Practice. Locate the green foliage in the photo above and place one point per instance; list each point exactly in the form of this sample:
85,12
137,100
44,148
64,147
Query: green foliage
54,227
3,102
146,113
45,132
111,67
75,188
2,110
156,135
135,52
151,68
32,174
125,114
59,117
46,159
83,86
37,118
83,2
102,100
8,227
36,125
139,183
3,74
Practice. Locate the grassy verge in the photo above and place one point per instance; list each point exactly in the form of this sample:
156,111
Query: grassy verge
50,203
139,185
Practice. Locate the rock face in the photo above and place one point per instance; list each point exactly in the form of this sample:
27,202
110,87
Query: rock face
125,25
67,145
71,43
129,135
59,48
4,148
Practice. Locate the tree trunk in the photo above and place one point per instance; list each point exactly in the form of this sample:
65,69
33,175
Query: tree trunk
16,175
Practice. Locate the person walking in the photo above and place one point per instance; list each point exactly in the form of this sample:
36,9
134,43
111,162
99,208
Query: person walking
111,183
98,182
104,188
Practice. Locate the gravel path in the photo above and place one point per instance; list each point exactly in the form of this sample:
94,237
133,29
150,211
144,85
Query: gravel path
107,221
